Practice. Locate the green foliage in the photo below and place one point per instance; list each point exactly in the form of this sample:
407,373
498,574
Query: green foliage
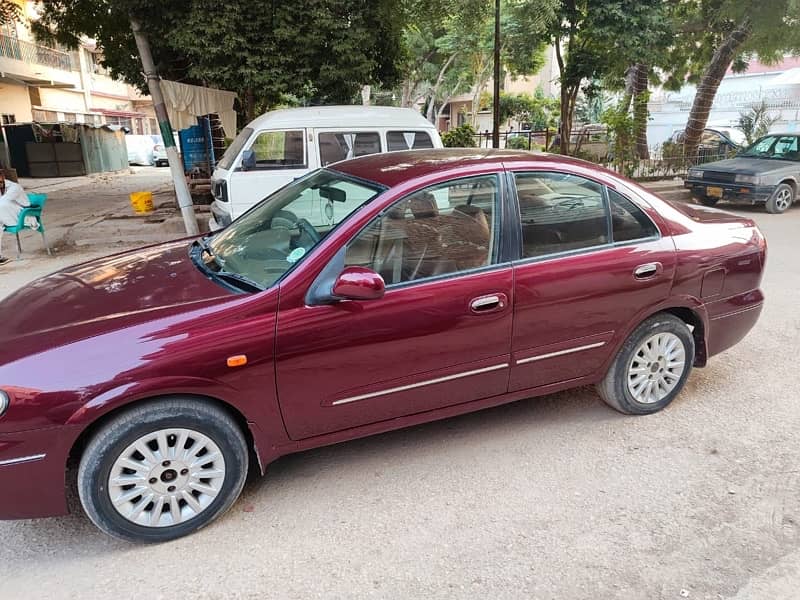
9,12
620,125
460,137
538,111
449,47
317,50
756,122
521,143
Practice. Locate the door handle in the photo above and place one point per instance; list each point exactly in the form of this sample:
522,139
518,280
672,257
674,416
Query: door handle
489,303
647,270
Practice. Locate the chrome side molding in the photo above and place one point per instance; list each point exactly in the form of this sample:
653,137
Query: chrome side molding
530,359
411,386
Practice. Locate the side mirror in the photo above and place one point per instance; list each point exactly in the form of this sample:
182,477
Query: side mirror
248,160
358,283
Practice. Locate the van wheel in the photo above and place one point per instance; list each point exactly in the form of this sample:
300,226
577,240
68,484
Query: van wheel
781,199
162,470
651,368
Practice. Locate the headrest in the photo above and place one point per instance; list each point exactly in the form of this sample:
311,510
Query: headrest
423,205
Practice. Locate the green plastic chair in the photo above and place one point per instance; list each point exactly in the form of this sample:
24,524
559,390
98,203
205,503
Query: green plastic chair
34,210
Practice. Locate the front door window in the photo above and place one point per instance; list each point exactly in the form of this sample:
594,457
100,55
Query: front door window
440,230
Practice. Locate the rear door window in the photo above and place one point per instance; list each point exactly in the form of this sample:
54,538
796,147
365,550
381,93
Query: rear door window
560,213
336,146
628,220
280,149
408,140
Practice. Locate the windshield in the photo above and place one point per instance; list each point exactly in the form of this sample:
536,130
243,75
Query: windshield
266,241
226,162
783,147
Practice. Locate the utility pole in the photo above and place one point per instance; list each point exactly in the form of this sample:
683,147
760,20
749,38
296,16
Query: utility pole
496,103
176,168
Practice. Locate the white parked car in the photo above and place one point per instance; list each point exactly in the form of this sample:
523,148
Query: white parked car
140,149
282,145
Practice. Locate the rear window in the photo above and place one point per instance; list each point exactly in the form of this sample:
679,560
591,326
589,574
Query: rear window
408,140
337,146
279,149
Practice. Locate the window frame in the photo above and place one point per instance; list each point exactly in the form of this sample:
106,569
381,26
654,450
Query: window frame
354,130
520,258
404,131
258,167
501,257
656,236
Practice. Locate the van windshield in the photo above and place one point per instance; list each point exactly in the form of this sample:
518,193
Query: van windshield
226,162
268,240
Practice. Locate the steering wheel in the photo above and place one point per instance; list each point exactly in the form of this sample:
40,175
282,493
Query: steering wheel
304,226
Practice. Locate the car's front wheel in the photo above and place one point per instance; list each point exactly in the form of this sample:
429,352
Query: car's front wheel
651,368
162,470
781,199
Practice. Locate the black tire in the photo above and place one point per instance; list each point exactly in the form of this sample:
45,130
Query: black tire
776,203
123,430
614,389
707,200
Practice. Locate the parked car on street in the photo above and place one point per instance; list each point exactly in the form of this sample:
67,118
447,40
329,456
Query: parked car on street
140,149
282,145
373,294
159,152
766,173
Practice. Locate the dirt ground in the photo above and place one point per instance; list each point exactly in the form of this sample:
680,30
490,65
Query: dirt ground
552,498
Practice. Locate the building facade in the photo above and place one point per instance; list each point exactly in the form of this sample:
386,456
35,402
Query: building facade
50,85
777,85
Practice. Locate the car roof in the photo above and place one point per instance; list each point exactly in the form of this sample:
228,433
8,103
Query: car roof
341,116
394,168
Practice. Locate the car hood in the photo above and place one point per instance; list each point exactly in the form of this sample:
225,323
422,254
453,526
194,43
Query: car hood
746,165
104,294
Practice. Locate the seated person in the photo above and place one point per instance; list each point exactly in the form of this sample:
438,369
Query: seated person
12,200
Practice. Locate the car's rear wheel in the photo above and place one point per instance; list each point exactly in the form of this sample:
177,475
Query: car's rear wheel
651,368
781,199
707,200
162,470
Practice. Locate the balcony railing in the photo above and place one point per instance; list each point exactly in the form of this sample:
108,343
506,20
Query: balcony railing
34,53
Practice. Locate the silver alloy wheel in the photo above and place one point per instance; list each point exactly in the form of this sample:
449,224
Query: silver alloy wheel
166,477
783,199
656,367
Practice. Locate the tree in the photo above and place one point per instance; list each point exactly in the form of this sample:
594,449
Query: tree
449,46
599,41
538,111
318,50
722,35
756,122
9,12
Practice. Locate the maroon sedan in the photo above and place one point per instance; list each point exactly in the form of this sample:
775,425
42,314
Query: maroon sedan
378,293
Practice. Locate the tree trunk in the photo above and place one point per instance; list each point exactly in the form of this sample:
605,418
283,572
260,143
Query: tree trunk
640,113
431,114
701,107
175,166
565,123
250,104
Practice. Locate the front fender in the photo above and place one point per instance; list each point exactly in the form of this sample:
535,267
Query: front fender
128,394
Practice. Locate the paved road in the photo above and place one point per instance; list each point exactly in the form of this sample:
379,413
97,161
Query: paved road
557,497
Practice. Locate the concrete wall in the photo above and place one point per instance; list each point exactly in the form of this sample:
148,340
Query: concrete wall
14,100
62,100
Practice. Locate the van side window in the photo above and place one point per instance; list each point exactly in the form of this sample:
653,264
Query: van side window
408,140
279,149
336,146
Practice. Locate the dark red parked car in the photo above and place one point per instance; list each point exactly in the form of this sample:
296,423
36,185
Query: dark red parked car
378,293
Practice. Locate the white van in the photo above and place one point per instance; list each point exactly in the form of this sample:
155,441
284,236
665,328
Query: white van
282,145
